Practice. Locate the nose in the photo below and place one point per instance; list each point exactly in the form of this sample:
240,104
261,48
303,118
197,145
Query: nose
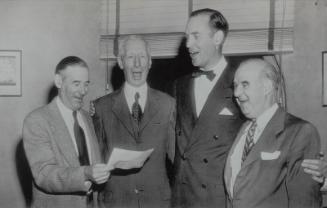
237,91
83,90
137,61
188,42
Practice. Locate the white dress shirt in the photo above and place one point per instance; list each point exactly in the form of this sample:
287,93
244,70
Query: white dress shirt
130,91
236,155
67,115
203,86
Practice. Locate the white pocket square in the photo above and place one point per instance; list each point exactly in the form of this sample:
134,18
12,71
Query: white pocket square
270,155
226,112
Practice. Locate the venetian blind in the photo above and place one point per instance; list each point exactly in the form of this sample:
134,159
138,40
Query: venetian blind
256,26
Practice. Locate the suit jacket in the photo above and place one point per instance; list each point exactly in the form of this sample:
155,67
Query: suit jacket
203,142
149,185
59,179
271,181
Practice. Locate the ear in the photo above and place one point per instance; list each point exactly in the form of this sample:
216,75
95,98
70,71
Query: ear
58,80
120,62
150,62
219,37
268,87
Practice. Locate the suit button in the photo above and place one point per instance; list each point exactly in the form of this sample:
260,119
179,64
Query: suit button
215,137
183,156
205,160
203,186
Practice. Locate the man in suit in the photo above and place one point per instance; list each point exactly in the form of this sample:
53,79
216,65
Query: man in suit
263,168
137,117
61,145
207,116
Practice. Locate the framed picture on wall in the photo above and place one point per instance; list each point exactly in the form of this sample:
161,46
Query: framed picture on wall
10,73
324,77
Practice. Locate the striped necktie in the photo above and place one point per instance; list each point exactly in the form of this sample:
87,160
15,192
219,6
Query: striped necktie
249,141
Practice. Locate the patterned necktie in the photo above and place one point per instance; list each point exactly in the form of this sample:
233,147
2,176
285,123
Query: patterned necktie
80,142
136,109
249,142
209,74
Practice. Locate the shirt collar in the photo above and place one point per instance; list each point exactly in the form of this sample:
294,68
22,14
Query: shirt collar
265,117
64,109
131,90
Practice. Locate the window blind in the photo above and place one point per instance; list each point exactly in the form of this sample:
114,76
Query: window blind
256,26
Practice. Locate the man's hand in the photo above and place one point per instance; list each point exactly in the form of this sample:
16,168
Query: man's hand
316,168
98,173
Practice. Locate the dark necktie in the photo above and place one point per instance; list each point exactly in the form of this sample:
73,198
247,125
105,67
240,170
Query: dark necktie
136,109
80,142
209,74
249,142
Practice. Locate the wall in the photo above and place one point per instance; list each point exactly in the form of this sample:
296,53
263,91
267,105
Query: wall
303,68
45,31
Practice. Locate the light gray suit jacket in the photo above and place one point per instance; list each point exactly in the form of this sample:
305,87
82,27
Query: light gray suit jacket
59,179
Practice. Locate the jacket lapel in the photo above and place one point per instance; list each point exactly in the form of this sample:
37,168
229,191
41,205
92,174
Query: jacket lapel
228,168
61,135
121,111
186,110
150,110
215,102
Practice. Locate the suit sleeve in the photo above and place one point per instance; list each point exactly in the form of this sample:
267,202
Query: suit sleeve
302,190
171,133
47,173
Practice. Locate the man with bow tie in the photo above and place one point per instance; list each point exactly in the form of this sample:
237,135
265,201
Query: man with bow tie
136,117
263,168
207,116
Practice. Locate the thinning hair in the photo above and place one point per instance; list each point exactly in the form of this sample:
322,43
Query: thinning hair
217,21
69,61
271,73
123,42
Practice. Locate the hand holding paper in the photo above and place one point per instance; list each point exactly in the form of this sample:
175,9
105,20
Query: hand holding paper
128,159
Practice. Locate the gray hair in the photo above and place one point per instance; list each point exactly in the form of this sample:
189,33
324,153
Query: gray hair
125,39
271,73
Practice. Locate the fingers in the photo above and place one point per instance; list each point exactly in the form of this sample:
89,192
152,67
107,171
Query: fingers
318,179
314,173
311,164
92,109
98,173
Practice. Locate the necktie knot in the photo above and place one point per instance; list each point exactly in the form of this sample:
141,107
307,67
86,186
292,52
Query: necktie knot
209,74
137,97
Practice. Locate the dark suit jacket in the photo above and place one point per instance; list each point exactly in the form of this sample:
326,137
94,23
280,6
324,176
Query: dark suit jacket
58,177
203,143
148,186
265,182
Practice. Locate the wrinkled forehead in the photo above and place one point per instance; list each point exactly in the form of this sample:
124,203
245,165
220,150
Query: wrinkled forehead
135,46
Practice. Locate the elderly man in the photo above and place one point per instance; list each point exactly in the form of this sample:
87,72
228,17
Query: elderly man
207,116
60,143
263,168
137,117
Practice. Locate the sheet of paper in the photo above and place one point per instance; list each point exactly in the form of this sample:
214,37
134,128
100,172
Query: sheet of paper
127,159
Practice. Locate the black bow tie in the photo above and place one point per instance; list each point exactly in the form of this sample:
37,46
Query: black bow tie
209,74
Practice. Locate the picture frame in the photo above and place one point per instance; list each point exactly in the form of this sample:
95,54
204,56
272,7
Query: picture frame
11,73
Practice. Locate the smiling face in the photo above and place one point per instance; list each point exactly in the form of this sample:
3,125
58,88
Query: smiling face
252,90
203,42
72,84
135,62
